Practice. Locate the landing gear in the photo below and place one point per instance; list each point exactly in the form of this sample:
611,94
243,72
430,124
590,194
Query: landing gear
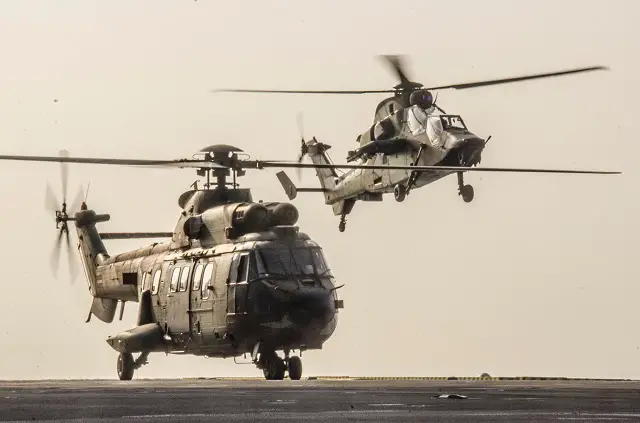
274,367
127,365
413,178
466,191
343,223
399,193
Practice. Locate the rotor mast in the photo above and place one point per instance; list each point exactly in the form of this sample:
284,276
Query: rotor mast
227,157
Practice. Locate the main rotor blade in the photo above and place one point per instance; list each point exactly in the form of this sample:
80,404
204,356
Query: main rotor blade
397,63
260,164
233,90
409,85
181,163
135,235
516,79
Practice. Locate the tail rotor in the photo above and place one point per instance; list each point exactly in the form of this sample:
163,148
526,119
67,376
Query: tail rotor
52,204
303,147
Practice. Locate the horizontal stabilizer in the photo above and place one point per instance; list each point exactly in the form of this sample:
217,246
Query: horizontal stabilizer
290,189
135,235
104,309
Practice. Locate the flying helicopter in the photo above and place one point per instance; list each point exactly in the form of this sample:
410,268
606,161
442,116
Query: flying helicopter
409,130
234,277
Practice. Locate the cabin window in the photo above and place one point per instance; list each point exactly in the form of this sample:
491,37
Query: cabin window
184,279
175,276
197,276
206,280
145,280
156,281
129,278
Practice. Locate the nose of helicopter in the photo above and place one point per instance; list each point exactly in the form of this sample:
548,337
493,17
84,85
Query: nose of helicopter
469,148
311,305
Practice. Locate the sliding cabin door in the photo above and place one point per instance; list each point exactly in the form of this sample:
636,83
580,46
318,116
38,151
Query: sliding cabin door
178,299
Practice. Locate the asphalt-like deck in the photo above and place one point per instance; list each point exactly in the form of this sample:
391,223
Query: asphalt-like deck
375,399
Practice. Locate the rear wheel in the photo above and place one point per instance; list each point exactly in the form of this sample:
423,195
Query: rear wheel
295,368
273,367
467,193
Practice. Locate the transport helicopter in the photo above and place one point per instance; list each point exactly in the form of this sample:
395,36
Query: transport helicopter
409,130
234,277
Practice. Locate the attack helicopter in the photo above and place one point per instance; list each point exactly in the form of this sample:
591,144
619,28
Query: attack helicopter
234,277
409,131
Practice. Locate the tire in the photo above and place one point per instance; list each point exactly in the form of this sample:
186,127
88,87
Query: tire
125,366
295,368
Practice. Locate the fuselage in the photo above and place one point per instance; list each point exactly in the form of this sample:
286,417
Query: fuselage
272,287
409,136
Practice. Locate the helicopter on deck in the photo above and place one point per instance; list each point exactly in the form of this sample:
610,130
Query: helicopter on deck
409,132
234,277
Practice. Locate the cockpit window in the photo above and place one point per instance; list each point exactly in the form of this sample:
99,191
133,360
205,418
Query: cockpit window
452,122
319,261
417,120
296,261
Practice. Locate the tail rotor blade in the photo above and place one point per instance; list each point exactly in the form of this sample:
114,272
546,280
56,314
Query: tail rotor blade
71,258
54,260
64,173
51,203
75,204
300,123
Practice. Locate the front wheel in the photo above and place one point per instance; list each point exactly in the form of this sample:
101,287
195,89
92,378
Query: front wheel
399,192
125,366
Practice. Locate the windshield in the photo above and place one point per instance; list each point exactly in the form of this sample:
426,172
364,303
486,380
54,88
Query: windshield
296,261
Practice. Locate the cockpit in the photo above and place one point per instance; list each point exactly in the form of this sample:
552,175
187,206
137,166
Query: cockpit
296,261
433,124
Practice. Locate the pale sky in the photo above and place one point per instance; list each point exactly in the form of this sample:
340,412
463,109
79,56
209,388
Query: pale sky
538,276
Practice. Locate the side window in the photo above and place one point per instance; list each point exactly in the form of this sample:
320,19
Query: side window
206,280
184,279
175,276
156,281
243,266
197,276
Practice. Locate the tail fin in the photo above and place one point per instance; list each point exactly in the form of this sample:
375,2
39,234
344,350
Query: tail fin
317,152
328,178
93,254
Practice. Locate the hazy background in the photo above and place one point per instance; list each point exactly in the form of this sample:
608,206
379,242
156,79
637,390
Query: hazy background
538,276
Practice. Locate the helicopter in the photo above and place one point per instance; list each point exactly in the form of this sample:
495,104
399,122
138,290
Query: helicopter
234,277
409,130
